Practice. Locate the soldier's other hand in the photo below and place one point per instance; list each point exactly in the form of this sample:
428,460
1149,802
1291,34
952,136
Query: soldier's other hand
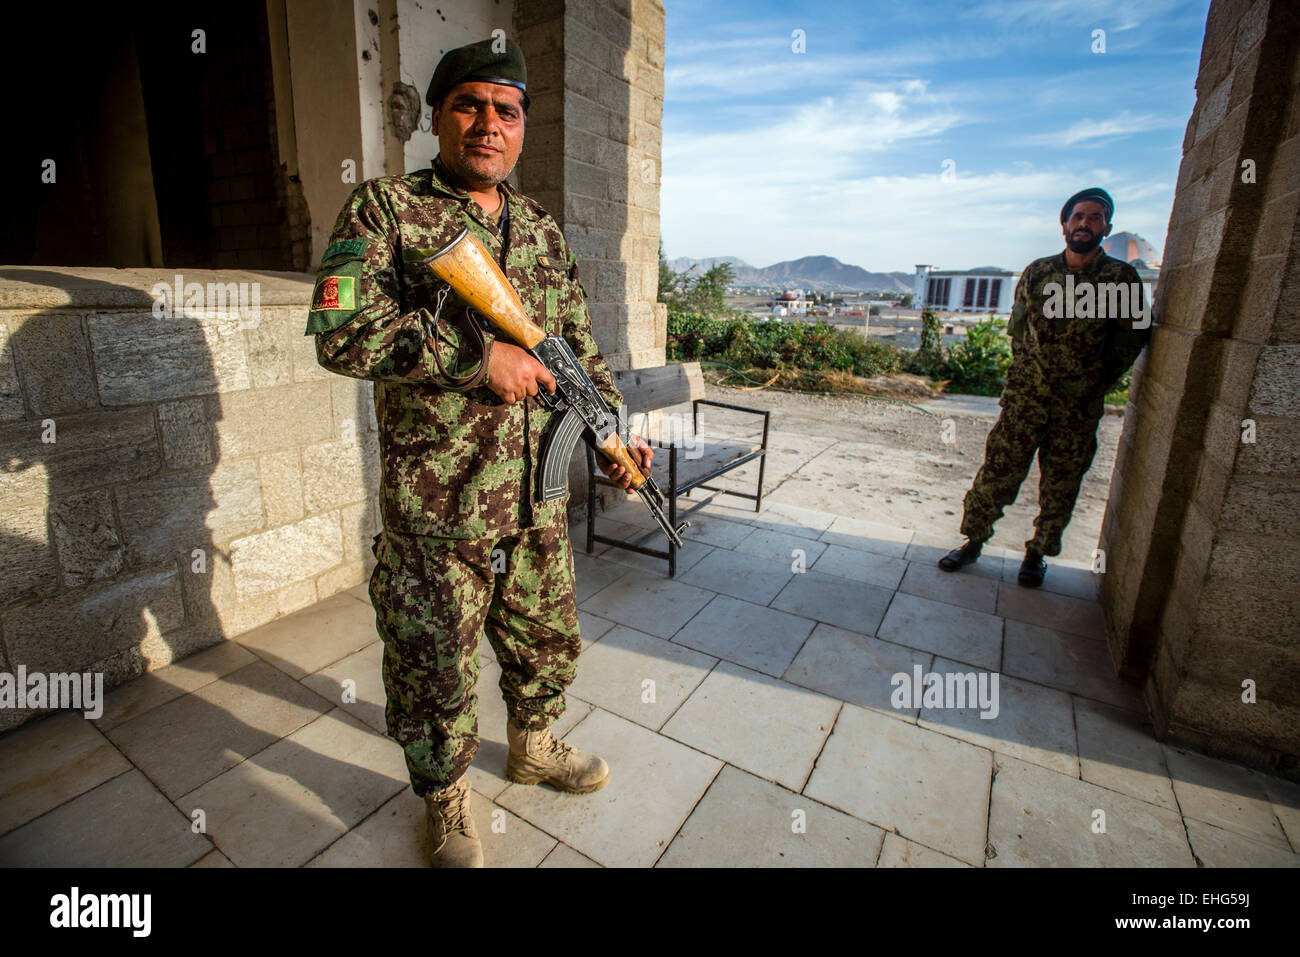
513,373
641,454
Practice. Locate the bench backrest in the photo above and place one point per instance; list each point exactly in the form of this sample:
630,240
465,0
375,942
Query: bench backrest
646,390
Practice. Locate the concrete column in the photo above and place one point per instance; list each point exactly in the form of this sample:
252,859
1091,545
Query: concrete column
592,156
370,89
1202,584
338,104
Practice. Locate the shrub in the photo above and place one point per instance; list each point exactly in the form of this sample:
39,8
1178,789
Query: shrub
778,345
692,335
979,365
1119,394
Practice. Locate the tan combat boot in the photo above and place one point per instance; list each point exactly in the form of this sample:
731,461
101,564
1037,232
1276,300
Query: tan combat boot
453,839
536,756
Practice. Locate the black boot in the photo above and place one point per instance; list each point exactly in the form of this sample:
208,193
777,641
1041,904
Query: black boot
1032,569
968,554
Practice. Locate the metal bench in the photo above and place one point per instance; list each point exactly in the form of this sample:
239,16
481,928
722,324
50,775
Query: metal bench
692,462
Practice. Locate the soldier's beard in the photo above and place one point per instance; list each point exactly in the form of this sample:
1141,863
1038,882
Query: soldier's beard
480,172
1083,245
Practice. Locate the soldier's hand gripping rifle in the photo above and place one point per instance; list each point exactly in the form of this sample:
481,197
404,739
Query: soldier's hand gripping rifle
469,269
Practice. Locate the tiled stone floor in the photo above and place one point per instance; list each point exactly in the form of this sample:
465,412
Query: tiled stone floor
744,708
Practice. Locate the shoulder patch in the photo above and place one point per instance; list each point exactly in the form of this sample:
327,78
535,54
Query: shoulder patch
334,292
344,249
551,262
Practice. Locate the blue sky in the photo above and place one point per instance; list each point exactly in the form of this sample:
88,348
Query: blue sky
769,154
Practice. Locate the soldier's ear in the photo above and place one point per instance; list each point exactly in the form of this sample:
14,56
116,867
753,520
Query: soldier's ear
1109,227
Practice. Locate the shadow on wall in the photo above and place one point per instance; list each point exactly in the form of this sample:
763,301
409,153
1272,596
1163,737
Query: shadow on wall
107,485
119,505
116,514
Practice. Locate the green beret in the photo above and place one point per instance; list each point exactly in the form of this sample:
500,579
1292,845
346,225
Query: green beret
479,62
1093,194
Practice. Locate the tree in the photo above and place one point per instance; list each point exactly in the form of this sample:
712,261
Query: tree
670,281
704,294
707,293
930,356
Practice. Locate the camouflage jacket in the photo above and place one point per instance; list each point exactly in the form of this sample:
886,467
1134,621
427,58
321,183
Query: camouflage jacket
1079,336
456,463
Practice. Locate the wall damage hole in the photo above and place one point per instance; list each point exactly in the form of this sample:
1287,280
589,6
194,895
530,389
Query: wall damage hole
404,110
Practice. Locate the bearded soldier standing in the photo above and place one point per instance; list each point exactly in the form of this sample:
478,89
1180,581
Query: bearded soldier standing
1064,361
468,546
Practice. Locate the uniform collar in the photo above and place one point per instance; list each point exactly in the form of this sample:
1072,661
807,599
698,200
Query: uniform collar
442,180
1093,266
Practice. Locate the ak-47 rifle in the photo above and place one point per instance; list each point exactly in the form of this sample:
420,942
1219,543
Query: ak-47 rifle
468,268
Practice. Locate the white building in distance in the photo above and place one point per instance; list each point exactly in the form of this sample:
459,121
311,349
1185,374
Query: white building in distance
989,289
791,303
984,289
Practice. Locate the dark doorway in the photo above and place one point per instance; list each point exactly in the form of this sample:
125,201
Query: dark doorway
162,143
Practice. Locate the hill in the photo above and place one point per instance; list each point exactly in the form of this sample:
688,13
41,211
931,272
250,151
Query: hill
813,273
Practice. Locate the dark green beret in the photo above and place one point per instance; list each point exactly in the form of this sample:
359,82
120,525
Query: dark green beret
478,62
1094,193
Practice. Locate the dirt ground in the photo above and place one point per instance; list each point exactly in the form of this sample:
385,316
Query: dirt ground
901,464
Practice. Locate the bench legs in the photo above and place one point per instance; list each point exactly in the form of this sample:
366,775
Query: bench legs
591,499
672,508
670,493
762,460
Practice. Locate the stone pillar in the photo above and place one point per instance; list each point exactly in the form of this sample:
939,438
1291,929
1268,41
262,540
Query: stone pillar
592,156
331,97
1202,584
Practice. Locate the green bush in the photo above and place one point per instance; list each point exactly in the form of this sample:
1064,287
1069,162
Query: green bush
879,358
692,335
979,365
744,343
929,359
1119,394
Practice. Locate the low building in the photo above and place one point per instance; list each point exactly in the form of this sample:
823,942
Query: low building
791,303
984,289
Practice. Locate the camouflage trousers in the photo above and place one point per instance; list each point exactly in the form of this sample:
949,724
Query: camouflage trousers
1062,430
433,599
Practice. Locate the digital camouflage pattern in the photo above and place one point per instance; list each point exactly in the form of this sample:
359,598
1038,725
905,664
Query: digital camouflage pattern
1053,399
455,464
1080,355
459,465
433,598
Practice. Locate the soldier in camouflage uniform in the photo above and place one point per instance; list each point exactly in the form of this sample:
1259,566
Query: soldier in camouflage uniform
1069,348
467,545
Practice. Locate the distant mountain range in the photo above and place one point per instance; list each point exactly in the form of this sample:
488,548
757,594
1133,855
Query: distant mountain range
812,273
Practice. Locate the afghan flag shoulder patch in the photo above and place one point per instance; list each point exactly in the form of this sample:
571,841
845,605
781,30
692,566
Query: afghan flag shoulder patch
334,292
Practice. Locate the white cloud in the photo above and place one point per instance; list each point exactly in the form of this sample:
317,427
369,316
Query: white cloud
807,175
821,141
1117,15
1100,132
707,69
887,223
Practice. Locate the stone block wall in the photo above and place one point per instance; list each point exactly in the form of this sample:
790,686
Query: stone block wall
168,482
1200,532
592,156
